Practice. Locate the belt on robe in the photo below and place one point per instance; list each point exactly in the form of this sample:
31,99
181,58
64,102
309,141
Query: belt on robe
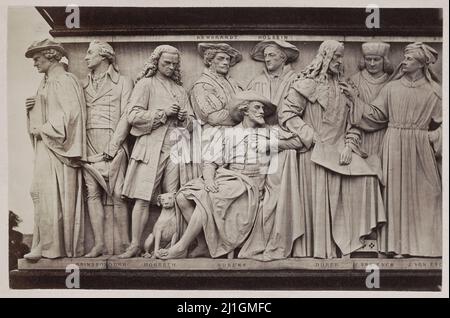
405,126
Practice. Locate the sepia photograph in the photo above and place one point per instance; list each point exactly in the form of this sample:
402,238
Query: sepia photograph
248,148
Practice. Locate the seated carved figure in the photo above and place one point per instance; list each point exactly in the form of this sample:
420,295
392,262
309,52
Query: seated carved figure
225,202
165,229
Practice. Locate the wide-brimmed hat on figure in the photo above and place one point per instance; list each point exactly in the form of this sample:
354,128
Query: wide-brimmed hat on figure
46,44
289,49
235,55
249,96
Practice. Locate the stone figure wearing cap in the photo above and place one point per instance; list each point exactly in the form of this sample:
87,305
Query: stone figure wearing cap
275,79
212,92
107,94
225,202
375,69
409,106
159,107
57,128
282,222
340,195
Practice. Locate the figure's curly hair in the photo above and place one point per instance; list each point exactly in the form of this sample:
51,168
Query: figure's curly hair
107,51
387,65
52,55
151,66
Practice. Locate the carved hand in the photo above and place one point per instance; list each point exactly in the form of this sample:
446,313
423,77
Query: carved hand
37,134
433,136
173,110
211,186
346,156
316,138
348,90
107,157
29,103
182,115
156,124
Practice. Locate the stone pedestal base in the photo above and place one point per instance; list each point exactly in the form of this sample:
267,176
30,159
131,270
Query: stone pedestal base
186,274
113,263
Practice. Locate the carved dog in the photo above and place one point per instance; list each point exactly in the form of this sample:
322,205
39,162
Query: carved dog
164,232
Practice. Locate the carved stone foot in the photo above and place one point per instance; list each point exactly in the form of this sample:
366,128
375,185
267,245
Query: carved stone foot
96,251
199,251
170,253
131,251
34,255
148,255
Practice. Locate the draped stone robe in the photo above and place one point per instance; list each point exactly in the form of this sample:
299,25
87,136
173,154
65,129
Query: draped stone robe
57,178
341,204
273,87
413,192
369,88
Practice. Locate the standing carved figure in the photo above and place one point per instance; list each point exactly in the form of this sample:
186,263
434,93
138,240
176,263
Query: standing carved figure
107,94
56,123
341,194
375,69
408,106
281,222
210,97
277,76
158,108
212,92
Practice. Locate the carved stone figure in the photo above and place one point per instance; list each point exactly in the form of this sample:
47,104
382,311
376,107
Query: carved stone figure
225,202
340,192
375,69
210,96
277,76
107,94
57,127
212,92
165,229
158,107
281,223
407,106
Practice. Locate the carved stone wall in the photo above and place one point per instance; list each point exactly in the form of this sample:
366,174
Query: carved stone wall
131,55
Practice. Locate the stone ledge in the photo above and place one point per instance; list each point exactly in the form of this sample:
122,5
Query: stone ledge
111,263
249,280
99,263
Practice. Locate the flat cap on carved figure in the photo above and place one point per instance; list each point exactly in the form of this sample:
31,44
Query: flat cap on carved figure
234,54
375,48
291,51
46,44
165,229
